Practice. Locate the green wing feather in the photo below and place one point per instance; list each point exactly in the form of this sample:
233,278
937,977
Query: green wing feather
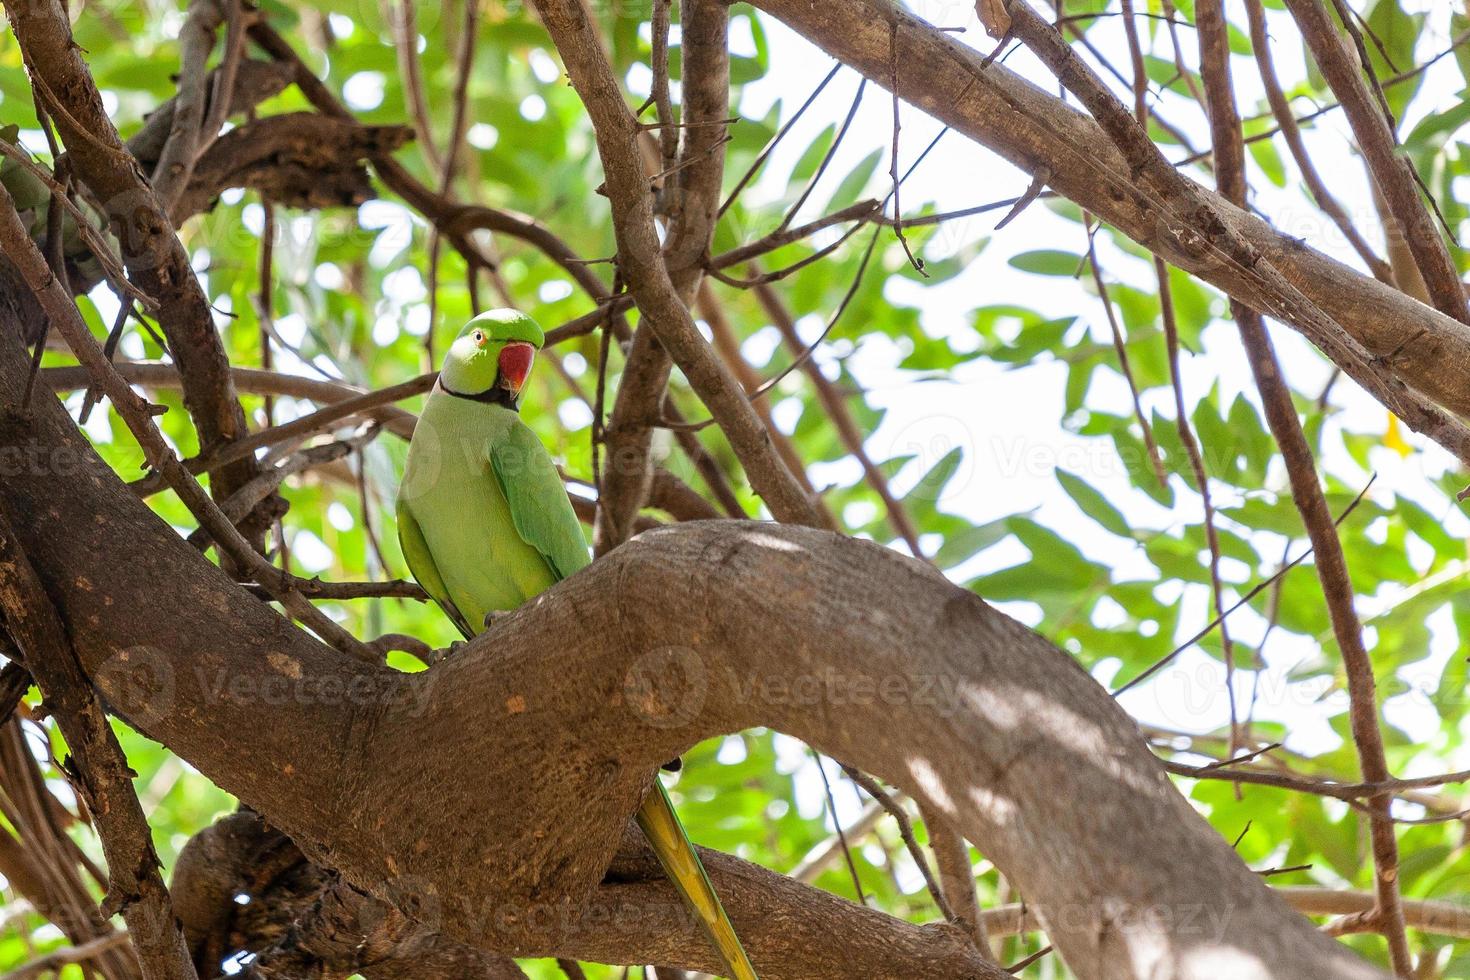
423,568
539,507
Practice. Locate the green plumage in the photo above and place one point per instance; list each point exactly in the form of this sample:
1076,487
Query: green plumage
483,519
485,525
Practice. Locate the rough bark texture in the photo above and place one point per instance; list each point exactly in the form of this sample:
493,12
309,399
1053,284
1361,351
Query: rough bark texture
97,768
298,159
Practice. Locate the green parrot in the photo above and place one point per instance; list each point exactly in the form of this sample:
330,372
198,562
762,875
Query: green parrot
485,524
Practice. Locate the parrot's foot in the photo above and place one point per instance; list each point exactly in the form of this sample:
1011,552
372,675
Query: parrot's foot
494,616
444,653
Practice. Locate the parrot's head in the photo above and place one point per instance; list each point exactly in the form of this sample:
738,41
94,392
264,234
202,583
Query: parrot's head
492,356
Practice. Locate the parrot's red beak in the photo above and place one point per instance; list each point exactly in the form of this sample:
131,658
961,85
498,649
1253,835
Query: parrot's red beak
515,365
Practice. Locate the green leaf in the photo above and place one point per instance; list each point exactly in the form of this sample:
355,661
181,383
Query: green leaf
1048,262
1094,504
855,183
1268,158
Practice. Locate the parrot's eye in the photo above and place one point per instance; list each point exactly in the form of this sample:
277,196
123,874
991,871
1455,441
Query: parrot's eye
479,338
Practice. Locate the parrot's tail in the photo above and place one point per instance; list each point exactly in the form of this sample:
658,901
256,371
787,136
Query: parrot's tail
675,852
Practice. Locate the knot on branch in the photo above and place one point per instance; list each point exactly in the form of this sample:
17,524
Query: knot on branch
299,159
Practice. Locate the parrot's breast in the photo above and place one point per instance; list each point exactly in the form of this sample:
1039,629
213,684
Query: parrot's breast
456,498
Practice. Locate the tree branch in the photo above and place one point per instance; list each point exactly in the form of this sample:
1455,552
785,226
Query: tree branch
180,150
1197,223
690,200
642,265
1291,132
567,726
1392,172
138,416
297,159
96,766
1306,492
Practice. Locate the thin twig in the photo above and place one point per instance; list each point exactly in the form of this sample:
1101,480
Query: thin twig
1120,346
771,144
837,410
310,424
906,832
811,185
861,211
109,350
914,261
764,388
404,20
1347,792
841,834
1260,587
239,504
857,281
1181,414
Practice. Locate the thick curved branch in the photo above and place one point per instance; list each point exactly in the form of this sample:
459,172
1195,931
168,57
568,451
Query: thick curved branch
144,680
573,701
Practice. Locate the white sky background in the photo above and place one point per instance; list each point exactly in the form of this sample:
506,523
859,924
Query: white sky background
1008,421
